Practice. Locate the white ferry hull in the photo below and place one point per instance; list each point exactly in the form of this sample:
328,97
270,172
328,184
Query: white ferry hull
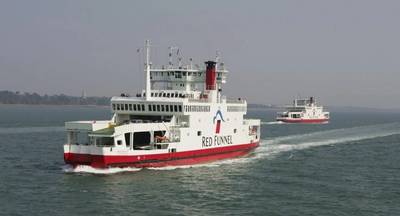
304,111
303,121
160,160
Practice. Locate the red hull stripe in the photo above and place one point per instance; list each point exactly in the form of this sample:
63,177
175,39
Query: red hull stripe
159,160
303,120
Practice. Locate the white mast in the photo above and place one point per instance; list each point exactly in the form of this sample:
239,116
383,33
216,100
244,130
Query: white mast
216,71
147,46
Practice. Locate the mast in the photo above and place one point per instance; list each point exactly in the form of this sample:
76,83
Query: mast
218,87
147,46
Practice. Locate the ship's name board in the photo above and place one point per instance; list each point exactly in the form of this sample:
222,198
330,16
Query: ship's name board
216,141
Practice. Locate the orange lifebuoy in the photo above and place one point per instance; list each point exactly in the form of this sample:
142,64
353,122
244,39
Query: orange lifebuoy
161,138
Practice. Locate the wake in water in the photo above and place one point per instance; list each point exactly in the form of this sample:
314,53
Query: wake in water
272,123
272,147
91,170
275,146
19,130
328,137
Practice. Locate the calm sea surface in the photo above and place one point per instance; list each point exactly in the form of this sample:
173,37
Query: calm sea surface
350,166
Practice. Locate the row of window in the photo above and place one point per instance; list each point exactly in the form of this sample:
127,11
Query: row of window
150,107
128,107
236,109
296,116
167,94
164,108
193,108
177,74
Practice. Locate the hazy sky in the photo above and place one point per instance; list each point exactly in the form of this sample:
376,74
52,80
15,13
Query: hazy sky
342,51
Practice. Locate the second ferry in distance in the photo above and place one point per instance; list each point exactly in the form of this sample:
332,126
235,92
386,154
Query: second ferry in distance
181,118
304,111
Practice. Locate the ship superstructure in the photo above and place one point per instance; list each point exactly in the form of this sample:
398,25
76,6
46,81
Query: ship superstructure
304,111
180,118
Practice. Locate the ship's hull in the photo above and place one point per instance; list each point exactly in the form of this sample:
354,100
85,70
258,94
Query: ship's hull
304,121
160,160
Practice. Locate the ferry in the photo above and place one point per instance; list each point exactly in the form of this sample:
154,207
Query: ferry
181,118
304,111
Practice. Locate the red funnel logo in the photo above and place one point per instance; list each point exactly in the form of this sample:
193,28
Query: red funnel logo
218,125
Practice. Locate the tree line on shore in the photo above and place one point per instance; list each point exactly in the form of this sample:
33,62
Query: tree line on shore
9,97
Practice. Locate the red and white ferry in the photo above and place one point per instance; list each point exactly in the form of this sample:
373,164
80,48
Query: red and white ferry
180,119
304,111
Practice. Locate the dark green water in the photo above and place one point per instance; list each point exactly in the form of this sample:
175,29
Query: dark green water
350,166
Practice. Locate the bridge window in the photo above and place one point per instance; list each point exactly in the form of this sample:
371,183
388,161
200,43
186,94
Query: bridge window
159,136
143,107
126,107
175,108
149,107
104,141
158,107
127,139
171,107
166,108
138,107
141,139
295,115
130,107
122,107
134,107
180,108
113,106
154,107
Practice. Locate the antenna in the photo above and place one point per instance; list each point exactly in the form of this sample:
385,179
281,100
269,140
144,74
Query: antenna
171,49
217,58
179,62
218,87
147,46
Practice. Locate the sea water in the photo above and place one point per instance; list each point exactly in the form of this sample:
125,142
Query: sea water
350,166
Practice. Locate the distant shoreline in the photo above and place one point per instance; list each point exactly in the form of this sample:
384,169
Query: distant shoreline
59,105
10,97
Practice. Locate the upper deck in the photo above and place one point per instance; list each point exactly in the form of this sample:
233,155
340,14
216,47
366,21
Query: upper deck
176,90
172,105
301,105
185,79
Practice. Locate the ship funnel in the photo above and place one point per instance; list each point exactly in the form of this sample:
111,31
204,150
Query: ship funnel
210,75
